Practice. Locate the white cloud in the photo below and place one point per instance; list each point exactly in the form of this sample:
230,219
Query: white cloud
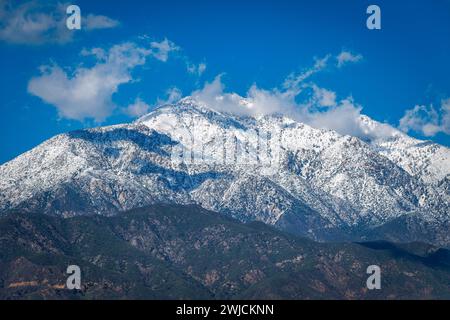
324,97
258,101
196,69
294,80
343,118
173,95
137,109
161,50
201,68
93,22
445,119
39,23
87,92
140,108
427,120
347,57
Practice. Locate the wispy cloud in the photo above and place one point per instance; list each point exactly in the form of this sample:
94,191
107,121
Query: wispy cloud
36,23
87,92
161,50
427,120
196,69
137,109
346,57
93,22
172,95
295,79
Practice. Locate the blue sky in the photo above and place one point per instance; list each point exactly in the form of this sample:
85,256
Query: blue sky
178,46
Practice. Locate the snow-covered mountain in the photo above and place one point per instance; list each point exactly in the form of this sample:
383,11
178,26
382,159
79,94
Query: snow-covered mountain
273,169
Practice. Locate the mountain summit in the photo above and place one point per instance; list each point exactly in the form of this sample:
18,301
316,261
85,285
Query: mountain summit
309,181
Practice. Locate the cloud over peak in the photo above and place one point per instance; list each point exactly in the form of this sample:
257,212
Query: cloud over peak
320,109
140,108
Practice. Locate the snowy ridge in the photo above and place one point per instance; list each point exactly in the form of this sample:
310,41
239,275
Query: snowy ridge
425,159
273,169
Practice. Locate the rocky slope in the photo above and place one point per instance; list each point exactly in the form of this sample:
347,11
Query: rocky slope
186,252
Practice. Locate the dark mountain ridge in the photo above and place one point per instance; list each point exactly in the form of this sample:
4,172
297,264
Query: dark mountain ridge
186,252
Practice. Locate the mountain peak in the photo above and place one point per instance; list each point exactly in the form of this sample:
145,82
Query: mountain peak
309,181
